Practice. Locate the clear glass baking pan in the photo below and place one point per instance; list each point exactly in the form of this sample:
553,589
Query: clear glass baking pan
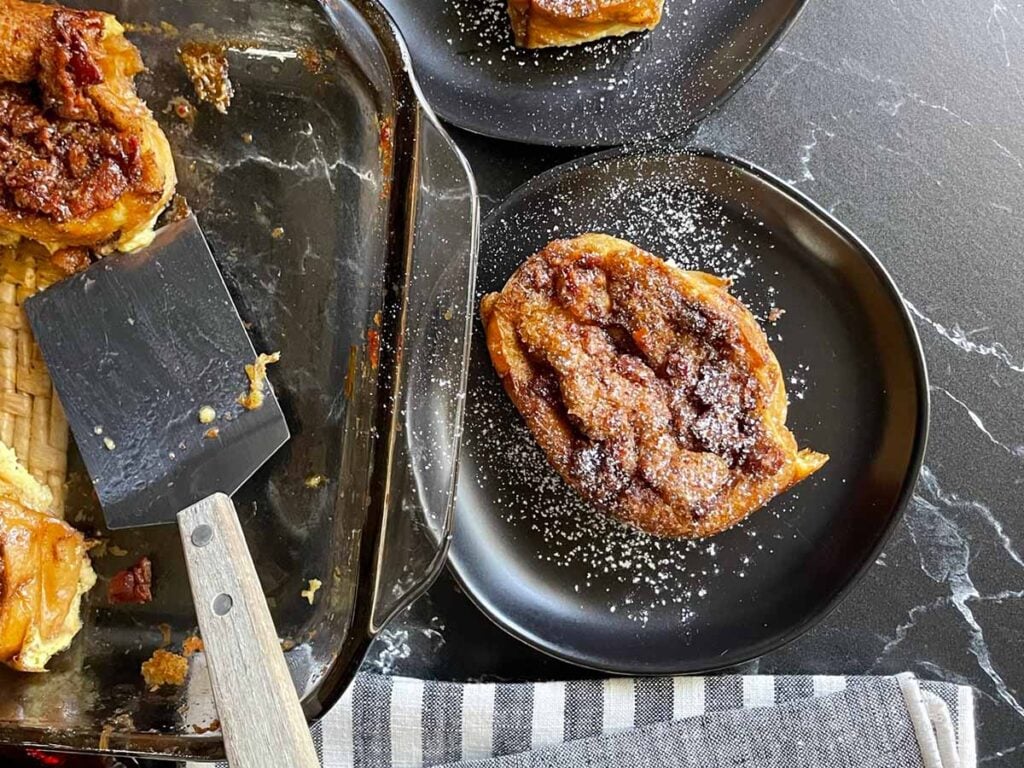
345,222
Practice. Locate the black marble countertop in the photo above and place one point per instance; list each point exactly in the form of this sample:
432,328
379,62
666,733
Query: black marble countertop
905,118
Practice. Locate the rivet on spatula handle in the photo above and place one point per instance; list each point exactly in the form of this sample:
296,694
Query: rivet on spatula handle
259,711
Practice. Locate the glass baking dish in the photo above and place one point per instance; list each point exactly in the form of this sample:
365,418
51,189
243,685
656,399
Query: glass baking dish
345,222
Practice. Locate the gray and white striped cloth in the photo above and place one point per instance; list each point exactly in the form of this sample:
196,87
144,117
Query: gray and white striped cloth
750,721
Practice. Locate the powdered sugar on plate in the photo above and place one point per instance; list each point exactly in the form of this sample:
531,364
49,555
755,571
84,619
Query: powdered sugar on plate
638,573
609,91
485,35
669,206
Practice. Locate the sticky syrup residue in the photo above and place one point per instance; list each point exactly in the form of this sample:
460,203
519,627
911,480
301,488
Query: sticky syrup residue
206,64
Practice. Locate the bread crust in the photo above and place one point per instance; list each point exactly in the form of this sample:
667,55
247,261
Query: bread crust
546,23
652,391
44,572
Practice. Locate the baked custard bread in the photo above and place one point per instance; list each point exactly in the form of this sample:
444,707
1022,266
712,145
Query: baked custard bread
651,390
82,161
544,23
84,169
44,571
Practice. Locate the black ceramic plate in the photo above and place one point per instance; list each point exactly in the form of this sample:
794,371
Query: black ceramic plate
584,588
611,91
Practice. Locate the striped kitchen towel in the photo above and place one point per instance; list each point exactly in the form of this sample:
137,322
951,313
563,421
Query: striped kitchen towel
711,722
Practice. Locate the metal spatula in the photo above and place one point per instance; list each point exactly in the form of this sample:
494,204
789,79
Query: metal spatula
137,346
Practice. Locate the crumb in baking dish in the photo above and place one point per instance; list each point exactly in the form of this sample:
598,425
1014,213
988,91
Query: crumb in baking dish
310,593
257,373
164,668
191,646
133,585
206,64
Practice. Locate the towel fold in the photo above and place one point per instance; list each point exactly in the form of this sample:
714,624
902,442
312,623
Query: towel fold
726,721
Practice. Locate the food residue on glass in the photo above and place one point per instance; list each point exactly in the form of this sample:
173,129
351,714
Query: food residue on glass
373,347
192,646
182,108
311,59
350,373
164,28
213,726
132,585
310,593
206,64
164,668
386,148
257,373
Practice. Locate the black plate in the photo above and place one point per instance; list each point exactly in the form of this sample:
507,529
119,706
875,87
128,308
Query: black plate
591,591
608,92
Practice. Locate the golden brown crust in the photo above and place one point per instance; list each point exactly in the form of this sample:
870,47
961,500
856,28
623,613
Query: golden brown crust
44,571
545,23
83,162
651,390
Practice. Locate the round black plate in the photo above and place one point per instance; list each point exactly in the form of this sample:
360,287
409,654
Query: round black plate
586,589
611,91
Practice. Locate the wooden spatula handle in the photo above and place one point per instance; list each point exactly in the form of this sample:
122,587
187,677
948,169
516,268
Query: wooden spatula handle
259,711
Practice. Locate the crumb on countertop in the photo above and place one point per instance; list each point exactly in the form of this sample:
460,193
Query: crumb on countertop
117,551
775,314
164,668
310,594
207,414
257,373
212,433
109,444
165,634
277,233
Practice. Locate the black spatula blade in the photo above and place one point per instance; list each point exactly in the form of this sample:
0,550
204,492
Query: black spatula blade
136,345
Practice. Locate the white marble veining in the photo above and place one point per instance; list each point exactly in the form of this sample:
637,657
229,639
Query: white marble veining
962,339
1017,451
944,546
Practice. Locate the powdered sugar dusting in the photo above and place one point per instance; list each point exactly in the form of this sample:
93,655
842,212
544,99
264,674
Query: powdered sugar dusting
485,36
660,204
612,90
639,573
677,218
